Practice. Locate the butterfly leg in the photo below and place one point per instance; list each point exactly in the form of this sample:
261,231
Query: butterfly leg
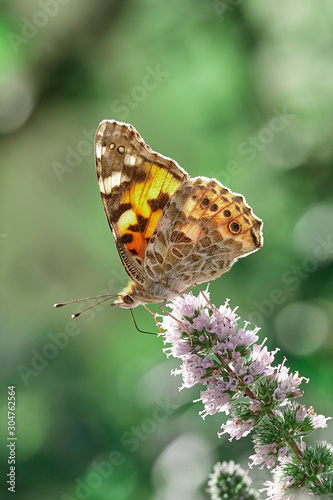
206,298
154,316
136,325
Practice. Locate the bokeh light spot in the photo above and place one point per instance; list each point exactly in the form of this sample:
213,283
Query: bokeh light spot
183,465
17,101
301,327
313,233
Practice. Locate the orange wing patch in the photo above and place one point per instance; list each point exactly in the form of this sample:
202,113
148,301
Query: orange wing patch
144,203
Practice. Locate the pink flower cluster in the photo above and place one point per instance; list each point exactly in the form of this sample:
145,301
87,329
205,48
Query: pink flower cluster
225,357
239,379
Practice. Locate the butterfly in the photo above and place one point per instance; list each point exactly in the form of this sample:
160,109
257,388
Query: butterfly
171,231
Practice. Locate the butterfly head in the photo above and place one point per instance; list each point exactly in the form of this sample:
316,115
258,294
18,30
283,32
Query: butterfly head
127,301
129,297
134,294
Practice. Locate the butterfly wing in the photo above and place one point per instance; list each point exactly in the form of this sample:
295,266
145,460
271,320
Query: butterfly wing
135,184
204,229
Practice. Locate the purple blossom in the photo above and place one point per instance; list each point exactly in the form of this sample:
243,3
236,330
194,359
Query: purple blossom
267,455
317,421
276,490
238,378
214,399
288,383
223,356
237,428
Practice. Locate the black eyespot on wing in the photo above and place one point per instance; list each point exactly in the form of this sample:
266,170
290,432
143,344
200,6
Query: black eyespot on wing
205,202
214,207
227,213
234,227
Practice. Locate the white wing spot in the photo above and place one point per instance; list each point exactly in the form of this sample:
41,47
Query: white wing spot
112,145
121,150
115,179
98,150
129,160
101,185
108,185
101,128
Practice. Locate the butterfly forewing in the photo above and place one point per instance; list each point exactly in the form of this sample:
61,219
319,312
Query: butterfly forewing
135,184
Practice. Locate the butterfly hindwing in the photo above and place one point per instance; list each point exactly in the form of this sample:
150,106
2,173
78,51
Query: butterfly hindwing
204,229
135,184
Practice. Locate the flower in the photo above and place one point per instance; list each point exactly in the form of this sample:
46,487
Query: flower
317,421
267,454
288,384
225,358
237,428
277,491
229,480
215,351
238,378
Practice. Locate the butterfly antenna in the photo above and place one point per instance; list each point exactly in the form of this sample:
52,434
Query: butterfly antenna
108,297
90,307
136,326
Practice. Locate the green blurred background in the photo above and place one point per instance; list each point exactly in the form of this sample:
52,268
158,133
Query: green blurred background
237,90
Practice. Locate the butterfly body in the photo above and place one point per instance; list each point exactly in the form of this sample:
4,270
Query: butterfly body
171,231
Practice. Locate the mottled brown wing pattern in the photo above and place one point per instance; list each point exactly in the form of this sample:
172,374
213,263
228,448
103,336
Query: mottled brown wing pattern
204,229
135,184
